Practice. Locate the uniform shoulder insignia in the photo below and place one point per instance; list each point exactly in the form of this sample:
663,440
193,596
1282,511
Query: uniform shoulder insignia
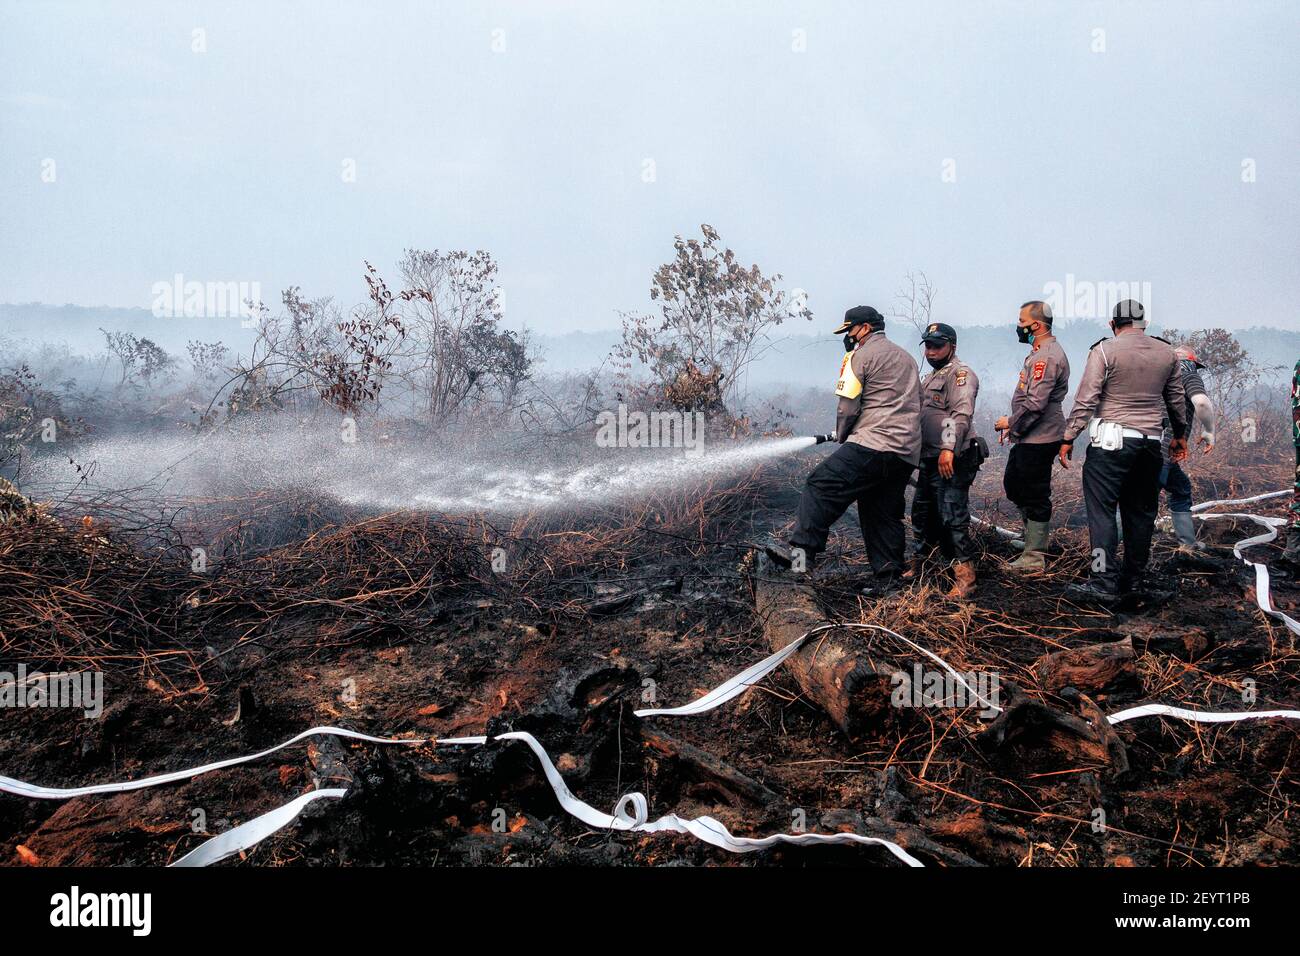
1098,342
961,375
1159,339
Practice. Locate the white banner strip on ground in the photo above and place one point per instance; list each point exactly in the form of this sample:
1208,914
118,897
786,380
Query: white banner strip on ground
731,688
1204,505
1263,592
253,832
18,787
752,675
631,813
1200,716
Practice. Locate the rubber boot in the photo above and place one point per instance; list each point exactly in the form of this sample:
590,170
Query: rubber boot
1185,528
1035,556
963,587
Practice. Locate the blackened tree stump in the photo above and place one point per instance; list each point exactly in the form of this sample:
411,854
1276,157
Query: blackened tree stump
844,682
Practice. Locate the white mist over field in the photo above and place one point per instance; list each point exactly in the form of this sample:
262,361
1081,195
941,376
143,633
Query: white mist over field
391,474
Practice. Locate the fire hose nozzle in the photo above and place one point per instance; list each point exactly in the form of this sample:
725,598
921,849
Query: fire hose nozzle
822,438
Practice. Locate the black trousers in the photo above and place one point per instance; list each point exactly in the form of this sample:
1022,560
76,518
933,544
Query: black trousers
941,507
1130,478
877,481
1028,478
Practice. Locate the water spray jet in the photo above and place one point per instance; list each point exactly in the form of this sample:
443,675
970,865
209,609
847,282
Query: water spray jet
449,475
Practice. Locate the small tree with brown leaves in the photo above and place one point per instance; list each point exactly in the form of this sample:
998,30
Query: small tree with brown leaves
715,318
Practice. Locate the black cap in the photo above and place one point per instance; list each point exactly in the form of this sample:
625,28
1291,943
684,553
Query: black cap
861,315
1128,312
937,332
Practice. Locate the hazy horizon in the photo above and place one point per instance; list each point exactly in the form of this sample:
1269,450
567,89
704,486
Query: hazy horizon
997,148
801,355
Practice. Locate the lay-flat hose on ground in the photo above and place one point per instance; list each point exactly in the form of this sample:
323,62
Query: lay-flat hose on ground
631,814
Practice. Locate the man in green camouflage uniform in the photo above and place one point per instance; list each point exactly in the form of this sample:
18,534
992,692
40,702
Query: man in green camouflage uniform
1292,555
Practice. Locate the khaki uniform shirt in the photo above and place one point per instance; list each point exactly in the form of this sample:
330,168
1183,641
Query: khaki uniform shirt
880,403
1036,404
947,408
1132,379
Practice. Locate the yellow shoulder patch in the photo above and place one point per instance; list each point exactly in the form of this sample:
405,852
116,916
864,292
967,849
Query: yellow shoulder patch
848,386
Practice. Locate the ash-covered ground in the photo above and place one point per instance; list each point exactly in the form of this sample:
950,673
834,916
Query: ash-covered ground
395,621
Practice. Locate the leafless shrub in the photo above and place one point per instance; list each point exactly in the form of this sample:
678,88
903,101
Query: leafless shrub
440,338
914,303
206,358
457,352
142,362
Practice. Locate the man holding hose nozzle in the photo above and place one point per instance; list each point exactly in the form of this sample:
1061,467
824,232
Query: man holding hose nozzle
878,426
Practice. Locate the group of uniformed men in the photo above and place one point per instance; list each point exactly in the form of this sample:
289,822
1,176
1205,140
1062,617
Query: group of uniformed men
1135,406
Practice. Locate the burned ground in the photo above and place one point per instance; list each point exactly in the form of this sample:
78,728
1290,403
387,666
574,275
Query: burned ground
398,625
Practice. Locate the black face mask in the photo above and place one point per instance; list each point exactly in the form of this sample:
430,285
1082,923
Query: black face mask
1023,334
937,362
850,343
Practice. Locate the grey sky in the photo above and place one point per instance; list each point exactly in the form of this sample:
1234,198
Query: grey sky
825,165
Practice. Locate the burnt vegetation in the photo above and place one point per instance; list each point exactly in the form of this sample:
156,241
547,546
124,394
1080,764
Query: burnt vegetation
225,625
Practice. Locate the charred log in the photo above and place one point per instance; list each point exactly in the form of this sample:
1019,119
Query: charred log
1095,667
847,685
